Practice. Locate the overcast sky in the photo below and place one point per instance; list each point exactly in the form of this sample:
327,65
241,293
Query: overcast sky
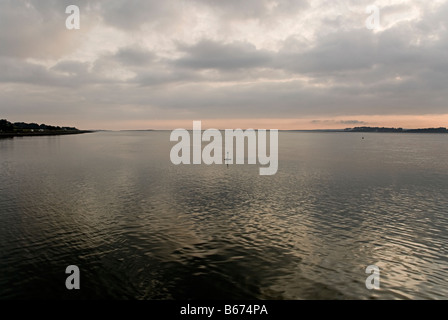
284,64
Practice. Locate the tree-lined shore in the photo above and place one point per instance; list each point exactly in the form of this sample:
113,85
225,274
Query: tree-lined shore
22,129
397,130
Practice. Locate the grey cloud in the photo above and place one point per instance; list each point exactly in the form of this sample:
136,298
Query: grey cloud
135,56
157,77
72,67
348,51
254,9
133,59
148,68
209,54
63,74
18,71
236,8
37,28
131,15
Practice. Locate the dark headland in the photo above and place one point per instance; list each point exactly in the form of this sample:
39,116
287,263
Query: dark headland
22,129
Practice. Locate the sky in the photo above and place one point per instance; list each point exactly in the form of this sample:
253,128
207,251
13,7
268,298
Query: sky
266,64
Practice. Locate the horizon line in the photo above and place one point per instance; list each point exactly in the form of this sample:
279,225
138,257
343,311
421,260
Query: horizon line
335,129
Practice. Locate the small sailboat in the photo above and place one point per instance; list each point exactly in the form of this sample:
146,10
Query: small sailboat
227,159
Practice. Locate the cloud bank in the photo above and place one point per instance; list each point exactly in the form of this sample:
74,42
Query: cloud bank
158,64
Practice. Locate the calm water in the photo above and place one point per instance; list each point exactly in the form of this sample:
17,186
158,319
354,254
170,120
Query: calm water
139,227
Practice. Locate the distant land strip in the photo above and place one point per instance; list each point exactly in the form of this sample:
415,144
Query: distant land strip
397,130
22,129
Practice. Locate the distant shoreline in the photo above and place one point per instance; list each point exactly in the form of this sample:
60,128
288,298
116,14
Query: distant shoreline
31,134
347,131
378,130
60,133
396,130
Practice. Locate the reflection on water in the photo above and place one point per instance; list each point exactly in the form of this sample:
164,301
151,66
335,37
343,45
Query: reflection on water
139,227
